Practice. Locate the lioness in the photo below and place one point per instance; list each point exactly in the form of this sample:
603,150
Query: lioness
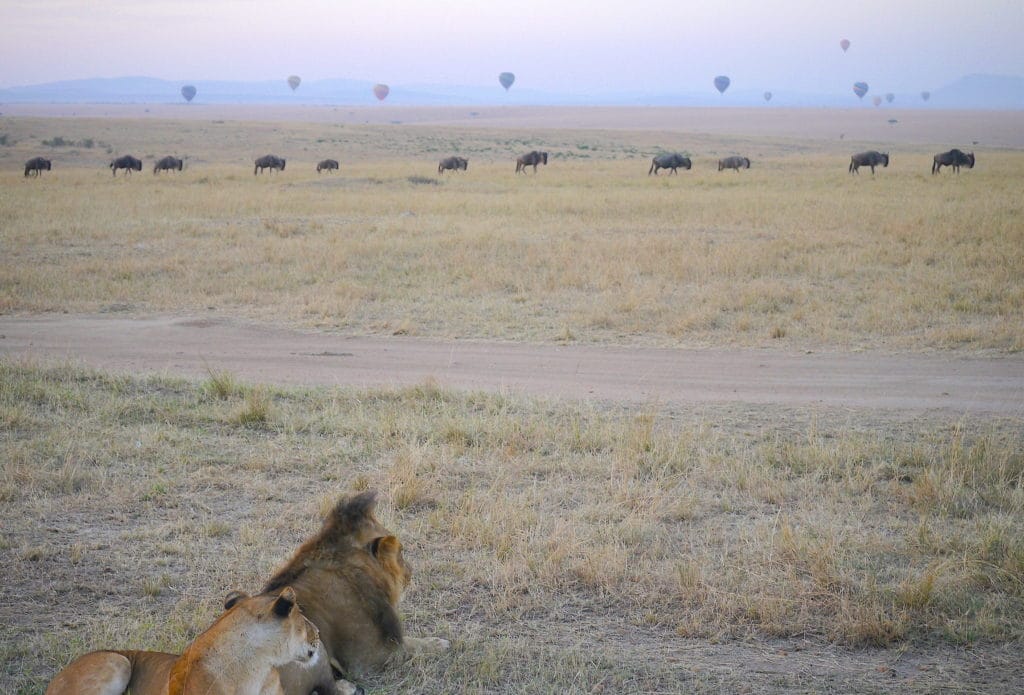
238,655
348,579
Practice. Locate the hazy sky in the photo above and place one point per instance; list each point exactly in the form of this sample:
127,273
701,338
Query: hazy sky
654,46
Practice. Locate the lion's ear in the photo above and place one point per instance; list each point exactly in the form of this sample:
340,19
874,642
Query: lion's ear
233,598
384,548
285,603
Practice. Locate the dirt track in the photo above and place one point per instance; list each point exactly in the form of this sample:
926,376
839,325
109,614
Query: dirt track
192,346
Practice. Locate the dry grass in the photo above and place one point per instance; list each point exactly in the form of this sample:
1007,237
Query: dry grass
792,253
562,548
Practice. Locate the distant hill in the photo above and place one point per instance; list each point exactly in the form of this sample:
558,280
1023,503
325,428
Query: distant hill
982,92
972,91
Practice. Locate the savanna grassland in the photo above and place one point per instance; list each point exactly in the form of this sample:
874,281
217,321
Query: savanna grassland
794,252
561,546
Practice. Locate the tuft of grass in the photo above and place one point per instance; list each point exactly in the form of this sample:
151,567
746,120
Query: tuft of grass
417,180
256,410
222,384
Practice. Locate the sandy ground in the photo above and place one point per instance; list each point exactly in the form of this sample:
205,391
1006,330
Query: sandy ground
942,128
191,347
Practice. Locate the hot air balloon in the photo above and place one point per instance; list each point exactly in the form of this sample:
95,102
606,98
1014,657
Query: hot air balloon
294,81
722,83
381,91
506,79
188,91
860,89
876,100
889,97
926,95
767,96
845,45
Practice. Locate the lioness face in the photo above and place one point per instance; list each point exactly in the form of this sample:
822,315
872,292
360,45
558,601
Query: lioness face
274,624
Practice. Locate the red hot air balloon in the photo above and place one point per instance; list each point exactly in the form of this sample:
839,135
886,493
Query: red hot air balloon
876,100
845,45
506,79
722,83
189,92
767,96
926,95
294,81
381,91
860,89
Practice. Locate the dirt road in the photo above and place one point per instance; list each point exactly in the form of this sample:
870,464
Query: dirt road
256,353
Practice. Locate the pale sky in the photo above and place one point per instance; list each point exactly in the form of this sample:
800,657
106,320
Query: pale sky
582,46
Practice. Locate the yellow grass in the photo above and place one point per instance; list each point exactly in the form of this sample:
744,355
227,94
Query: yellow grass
540,533
792,253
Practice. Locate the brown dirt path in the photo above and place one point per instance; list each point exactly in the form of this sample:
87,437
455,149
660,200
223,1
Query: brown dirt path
191,347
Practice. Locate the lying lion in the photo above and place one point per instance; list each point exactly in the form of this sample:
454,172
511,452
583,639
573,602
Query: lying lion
238,655
348,580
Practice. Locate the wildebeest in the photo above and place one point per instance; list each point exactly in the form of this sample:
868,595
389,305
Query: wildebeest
955,159
326,165
736,163
531,158
268,161
36,166
871,158
668,161
168,164
453,163
127,162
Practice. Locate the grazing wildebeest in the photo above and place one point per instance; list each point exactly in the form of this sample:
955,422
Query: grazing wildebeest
128,163
168,164
453,163
736,163
871,158
531,158
668,161
36,166
955,159
268,161
326,165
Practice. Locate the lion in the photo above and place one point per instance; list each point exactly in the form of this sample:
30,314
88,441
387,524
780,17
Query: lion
348,580
238,655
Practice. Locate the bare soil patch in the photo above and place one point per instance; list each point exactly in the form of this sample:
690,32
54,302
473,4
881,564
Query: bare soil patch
193,346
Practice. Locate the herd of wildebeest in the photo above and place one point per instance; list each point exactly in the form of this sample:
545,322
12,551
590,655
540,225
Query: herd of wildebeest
673,162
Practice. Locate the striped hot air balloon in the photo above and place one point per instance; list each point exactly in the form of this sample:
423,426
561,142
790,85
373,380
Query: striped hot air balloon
860,89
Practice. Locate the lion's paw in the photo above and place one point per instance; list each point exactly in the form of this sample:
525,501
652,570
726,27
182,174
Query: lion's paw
427,645
348,688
